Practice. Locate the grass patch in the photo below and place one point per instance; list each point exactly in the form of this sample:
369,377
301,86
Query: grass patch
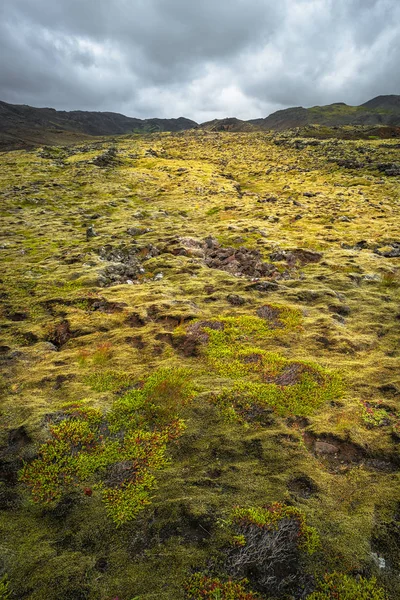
108,381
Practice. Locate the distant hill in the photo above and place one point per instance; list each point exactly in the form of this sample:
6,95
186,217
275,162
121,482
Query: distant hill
22,125
382,110
228,124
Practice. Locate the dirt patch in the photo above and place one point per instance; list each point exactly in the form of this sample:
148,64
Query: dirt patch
195,337
10,455
264,286
164,336
18,439
60,334
135,320
302,486
296,256
235,300
105,306
292,374
270,314
339,454
136,341
251,359
17,316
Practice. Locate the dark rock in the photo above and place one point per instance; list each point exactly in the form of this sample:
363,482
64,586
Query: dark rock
390,169
264,286
107,158
235,300
269,199
325,448
60,334
136,231
340,309
136,342
211,242
135,320
240,261
361,245
90,232
125,262
392,250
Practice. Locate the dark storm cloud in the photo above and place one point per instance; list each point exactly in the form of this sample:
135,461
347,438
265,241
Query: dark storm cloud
203,59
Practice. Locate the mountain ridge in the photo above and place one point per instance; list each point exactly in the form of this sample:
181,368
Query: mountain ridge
24,126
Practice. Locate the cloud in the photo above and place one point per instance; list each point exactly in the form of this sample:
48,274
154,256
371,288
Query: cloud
203,60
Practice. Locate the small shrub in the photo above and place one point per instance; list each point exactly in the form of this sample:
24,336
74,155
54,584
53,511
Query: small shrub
374,417
200,587
338,586
267,546
117,453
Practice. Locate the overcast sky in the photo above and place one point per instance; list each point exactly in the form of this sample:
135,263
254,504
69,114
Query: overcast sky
197,58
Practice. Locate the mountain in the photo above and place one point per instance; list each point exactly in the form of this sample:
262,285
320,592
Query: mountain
22,125
228,124
382,110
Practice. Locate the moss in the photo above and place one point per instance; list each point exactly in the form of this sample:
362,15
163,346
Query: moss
4,588
107,381
286,376
262,379
343,587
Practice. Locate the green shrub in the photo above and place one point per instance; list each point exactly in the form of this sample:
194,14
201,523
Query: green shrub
200,587
268,546
262,380
337,586
270,517
116,454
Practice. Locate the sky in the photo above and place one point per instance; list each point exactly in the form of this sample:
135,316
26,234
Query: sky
201,59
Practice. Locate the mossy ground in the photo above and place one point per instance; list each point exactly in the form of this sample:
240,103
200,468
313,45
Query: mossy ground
333,333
